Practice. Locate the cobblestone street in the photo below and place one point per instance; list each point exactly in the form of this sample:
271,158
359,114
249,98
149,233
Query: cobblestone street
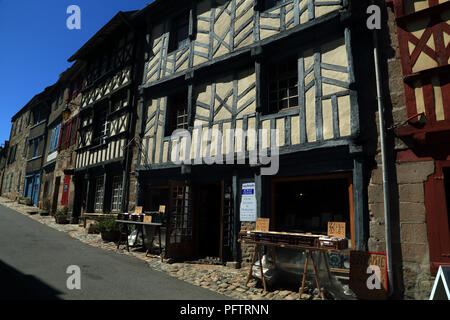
218,278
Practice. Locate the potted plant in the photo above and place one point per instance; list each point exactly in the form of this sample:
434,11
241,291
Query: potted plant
25,200
46,205
61,215
108,229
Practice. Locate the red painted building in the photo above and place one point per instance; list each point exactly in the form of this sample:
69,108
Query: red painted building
423,32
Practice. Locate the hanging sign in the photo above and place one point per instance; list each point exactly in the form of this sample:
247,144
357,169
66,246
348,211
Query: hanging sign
248,202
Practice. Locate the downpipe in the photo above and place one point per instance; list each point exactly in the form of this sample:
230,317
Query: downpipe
386,189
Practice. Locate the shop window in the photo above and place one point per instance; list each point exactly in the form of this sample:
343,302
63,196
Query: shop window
116,197
282,85
156,197
99,194
181,215
179,35
177,113
308,205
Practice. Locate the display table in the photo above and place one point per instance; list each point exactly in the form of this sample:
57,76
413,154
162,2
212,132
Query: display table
139,226
302,242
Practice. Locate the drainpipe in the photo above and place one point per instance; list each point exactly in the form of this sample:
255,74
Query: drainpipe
387,223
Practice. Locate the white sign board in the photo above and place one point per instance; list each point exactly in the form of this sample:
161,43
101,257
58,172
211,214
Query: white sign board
248,202
441,288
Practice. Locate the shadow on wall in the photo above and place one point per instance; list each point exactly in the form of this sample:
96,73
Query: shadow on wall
18,286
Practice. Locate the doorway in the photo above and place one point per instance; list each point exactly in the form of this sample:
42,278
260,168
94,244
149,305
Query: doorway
55,195
208,207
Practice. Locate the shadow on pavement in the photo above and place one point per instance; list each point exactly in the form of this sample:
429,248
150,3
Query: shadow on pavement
18,286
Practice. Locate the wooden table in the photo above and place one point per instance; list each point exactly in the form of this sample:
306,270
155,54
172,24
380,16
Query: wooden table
139,225
309,250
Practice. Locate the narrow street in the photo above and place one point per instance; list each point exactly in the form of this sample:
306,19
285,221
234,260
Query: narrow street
34,259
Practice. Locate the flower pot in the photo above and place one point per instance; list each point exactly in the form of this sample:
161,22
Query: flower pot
61,219
110,236
44,213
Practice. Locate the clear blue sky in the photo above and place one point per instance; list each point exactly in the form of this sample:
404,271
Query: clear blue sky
35,45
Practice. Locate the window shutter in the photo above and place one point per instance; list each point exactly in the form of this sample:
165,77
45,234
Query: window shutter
61,131
67,135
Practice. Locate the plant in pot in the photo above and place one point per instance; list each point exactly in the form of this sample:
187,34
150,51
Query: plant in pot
108,229
61,215
46,205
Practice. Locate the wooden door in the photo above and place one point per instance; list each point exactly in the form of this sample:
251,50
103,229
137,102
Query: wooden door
226,221
180,242
55,195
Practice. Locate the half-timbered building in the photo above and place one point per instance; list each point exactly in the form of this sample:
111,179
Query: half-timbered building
105,118
416,49
249,67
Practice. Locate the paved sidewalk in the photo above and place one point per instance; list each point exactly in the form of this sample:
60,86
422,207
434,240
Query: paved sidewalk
218,278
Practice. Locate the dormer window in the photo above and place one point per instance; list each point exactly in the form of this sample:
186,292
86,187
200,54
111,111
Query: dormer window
179,35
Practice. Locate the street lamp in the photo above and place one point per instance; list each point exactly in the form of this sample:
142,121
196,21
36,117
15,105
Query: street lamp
66,113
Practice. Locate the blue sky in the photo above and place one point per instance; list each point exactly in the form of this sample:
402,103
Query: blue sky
35,45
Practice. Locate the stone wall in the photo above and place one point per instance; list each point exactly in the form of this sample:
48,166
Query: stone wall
247,250
18,166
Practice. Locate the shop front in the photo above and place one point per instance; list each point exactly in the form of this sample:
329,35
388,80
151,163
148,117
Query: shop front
199,210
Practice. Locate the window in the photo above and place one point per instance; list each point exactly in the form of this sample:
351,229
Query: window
269,4
116,200
99,194
282,82
102,126
73,132
34,143
179,36
177,113
36,116
18,181
12,154
54,139
25,148
6,183
11,181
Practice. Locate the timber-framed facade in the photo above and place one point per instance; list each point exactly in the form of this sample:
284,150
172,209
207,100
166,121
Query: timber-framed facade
223,67
106,111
